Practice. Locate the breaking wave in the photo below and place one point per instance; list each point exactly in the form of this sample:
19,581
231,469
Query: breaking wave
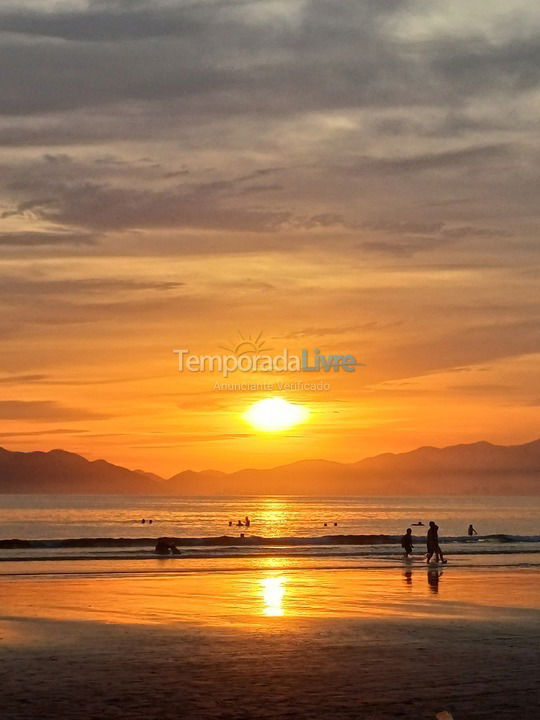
257,541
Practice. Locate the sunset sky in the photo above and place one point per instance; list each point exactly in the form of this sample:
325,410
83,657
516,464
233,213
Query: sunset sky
358,177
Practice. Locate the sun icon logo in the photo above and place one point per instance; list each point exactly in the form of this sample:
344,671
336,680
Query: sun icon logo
248,345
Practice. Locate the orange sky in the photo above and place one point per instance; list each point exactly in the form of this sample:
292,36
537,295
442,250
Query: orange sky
362,182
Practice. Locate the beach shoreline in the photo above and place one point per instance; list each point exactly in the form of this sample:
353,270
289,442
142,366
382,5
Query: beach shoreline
272,642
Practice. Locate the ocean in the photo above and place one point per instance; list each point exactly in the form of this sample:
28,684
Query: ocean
85,532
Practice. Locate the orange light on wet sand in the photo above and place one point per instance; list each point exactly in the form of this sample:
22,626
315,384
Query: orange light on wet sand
275,414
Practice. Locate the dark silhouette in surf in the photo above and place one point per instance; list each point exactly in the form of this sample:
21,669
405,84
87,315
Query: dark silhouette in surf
433,547
407,544
166,546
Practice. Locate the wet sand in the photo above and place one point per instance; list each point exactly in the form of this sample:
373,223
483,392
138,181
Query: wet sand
272,642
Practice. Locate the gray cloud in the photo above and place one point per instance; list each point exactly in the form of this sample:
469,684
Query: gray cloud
38,433
57,310
399,248
43,411
470,345
431,161
486,66
64,200
322,59
19,379
112,21
335,331
10,286
40,239
103,207
189,439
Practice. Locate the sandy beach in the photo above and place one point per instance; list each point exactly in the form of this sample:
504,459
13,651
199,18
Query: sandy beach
272,642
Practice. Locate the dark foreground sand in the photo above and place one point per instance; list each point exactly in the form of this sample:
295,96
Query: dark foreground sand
270,644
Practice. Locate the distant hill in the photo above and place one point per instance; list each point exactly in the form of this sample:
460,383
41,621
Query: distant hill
61,472
479,468
475,469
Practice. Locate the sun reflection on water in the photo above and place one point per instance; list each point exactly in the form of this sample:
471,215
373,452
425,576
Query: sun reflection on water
273,516
273,592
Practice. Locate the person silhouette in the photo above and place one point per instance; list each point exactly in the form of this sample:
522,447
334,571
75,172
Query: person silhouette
433,547
471,531
406,543
166,546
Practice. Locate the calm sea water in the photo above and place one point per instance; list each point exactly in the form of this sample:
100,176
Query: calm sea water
47,517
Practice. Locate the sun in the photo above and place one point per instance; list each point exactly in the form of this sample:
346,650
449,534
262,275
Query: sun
275,414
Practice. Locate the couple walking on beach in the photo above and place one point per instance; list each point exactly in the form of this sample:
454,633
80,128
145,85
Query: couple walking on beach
432,540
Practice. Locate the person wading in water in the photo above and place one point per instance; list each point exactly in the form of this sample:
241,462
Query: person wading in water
433,547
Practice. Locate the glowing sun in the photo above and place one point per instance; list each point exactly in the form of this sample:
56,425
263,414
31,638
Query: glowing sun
275,414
